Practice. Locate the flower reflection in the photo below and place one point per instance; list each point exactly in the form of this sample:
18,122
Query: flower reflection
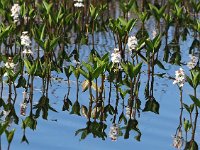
193,62
178,139
23,107
114,132
180,77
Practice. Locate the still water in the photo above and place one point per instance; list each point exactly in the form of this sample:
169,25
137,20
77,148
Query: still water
57,131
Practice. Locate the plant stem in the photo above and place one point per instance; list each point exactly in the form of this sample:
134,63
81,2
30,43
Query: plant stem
196,117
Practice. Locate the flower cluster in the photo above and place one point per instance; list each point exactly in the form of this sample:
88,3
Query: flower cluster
26,42
132,43
9,64
116,56
25,39
193,62
180,77
178,140
15,12
78,3
114,132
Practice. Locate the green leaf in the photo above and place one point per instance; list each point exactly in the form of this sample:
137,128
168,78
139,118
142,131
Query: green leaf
47,6
195,78
137,69
53,43
3,127
42,33
84,111
88,67
189,81
67,104
28,65
187,107
152,105
30,122
21,82
85,74
24,139
97,72
9,135
122,118
85,85
76,109
195,100
131,23
191,145
109,108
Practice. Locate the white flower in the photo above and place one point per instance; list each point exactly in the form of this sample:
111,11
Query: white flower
179,77
15,12
27,51
178,140
78,4
23,107
114,132
132,43
9,65
193,62
116,56
25,39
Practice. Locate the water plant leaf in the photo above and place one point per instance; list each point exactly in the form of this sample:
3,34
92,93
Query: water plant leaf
195,100
47,6
85,85
195,44
24,139
160,65
84,73
93,12
76,109
30,122
130,24
84,111
191,145
9,135
43,105
122,118
152,105
67,104
187,125
3,127
136,69
195,78
42,32
109,108
132,125
187,107
21,82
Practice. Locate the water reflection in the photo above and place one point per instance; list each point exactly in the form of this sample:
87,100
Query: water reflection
141,43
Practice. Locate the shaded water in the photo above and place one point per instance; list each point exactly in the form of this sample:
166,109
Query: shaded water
157,125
